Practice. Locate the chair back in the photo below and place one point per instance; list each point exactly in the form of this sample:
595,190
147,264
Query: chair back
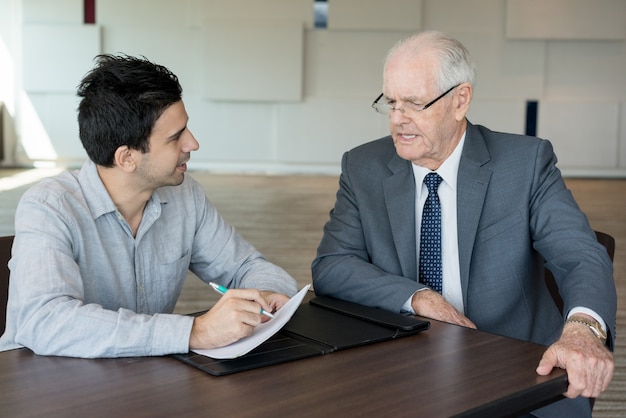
608,242
5,254
603,238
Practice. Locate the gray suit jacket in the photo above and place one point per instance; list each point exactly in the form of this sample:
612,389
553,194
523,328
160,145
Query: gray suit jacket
514,211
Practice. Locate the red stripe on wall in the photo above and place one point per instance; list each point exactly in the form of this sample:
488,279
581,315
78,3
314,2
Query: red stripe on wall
89,7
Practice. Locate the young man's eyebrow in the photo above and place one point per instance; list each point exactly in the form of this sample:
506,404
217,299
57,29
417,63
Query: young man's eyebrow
177,133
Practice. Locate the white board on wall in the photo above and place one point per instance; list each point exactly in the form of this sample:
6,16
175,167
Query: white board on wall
584,133
565,19
57,11
398,15
503,115
299,10
262,60
346,64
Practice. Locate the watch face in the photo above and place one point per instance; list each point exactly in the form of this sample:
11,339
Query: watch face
599,331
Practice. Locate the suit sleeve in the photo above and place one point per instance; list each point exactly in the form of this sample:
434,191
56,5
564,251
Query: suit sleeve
562,235
344,266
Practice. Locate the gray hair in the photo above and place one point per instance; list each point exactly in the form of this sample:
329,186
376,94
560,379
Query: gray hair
455,63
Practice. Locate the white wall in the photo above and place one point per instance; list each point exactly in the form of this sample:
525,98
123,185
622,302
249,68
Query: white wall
266,92
9,54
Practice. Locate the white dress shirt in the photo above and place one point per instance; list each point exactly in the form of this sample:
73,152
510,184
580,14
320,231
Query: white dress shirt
449,244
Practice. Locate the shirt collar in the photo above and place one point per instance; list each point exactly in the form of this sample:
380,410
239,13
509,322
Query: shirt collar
97,196
94,191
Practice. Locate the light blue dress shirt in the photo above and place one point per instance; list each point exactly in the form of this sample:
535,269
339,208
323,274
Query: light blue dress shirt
81,285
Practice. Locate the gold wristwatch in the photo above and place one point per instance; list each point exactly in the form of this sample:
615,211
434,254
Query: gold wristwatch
593,325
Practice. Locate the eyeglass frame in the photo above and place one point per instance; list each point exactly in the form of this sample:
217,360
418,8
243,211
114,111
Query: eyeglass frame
402,109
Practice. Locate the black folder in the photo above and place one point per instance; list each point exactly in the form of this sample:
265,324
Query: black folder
321,326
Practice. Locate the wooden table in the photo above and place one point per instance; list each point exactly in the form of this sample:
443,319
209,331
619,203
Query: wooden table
445,371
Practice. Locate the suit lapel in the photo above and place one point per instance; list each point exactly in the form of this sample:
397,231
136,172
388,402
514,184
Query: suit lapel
472,183
399,193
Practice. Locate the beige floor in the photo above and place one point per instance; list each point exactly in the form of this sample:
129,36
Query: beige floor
283,217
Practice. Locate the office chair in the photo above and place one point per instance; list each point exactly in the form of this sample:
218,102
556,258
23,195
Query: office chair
605,239
5,254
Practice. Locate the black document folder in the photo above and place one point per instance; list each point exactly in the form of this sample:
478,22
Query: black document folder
321,326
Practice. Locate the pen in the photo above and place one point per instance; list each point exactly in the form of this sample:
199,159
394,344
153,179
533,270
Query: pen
221,289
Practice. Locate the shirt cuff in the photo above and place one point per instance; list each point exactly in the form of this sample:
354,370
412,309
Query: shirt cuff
407,308
580,309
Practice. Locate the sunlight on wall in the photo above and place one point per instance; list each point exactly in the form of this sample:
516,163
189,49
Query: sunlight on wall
35,139
7,78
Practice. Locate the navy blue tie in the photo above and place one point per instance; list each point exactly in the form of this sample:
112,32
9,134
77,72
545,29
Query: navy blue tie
430,236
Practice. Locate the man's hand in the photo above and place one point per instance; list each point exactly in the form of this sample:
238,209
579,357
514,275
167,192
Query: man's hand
275,301
233,317
431,304
588,362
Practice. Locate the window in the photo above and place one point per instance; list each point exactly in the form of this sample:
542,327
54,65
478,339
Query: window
320,9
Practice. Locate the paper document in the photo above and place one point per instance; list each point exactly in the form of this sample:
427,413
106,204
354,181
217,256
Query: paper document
261,333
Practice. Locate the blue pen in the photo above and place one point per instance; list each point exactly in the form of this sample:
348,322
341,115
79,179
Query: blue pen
221,289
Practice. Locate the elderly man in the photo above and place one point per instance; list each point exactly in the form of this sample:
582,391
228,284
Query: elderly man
453,221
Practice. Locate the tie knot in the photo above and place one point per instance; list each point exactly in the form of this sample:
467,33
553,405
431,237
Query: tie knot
432,181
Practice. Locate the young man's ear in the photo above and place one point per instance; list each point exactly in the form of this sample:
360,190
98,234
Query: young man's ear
126,158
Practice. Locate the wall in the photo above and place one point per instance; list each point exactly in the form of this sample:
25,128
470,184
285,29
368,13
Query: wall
9,54
267,92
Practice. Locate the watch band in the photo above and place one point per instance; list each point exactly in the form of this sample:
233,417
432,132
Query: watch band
592,324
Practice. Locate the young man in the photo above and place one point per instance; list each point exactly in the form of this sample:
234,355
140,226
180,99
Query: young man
101,253
499,208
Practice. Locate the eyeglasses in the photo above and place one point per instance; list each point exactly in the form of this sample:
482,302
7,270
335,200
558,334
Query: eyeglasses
387,109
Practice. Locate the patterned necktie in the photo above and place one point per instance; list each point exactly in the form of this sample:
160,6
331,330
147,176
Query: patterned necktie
430,236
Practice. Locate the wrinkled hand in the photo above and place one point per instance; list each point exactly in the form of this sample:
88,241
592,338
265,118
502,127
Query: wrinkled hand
589,364
233,317
431,304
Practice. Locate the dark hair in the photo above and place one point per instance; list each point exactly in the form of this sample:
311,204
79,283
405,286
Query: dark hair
122,97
